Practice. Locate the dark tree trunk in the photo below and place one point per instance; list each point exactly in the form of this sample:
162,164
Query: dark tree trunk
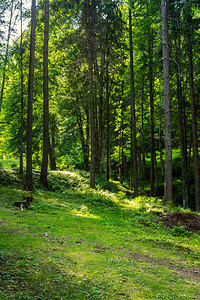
167,106
100,118
160,134
44,167
142,139
22,99
108,163
52,144
152,168
194,130
29,177
182,133
134,171
90,40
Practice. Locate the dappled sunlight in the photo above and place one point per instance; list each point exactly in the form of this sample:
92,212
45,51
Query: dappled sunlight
143,202
83,212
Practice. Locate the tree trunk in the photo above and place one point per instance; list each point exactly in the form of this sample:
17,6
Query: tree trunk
194,130
167,106
142,140
152,168
44,167
100,117
89,28
22,99
160,133
29,178
134,172
52,144
183,141
108,164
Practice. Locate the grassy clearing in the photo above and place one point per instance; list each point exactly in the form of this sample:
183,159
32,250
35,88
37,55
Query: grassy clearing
85,244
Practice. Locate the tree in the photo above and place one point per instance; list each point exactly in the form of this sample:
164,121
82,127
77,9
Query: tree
133,120
167,106
29,176
22,95
89,22
44,167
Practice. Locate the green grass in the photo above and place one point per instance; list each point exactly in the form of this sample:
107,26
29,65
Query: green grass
77,243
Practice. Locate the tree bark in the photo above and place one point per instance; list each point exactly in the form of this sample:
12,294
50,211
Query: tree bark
134,171
44,167
167,106
108,164
152,168
142,140
22,97
89,29
100,117
29,178
194,130
52,144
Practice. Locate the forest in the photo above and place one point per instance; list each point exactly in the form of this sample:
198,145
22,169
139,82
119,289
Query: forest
111,87
99,154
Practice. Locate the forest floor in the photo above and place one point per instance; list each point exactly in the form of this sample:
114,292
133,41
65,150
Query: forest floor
73,242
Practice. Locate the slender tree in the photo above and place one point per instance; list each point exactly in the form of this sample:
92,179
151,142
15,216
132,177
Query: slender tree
134,171
167,106
194,129
29,176
22,94
151,82
44,167
108,165
90,39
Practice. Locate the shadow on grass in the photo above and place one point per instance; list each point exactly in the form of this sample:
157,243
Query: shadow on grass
24,277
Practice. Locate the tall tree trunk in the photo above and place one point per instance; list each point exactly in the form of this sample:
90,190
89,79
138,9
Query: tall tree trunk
22,97
52,144
167,106
142,139
121,138
194,130
100,117
134,171
108,164
44,167
160,132
89,28
6,55
29,177
183,141
152,168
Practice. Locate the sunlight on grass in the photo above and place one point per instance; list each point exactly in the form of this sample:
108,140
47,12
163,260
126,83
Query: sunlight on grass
84,212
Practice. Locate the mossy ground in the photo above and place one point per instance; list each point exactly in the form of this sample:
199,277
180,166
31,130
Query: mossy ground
78,243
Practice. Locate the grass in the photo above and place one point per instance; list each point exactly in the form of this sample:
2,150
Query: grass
78,243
